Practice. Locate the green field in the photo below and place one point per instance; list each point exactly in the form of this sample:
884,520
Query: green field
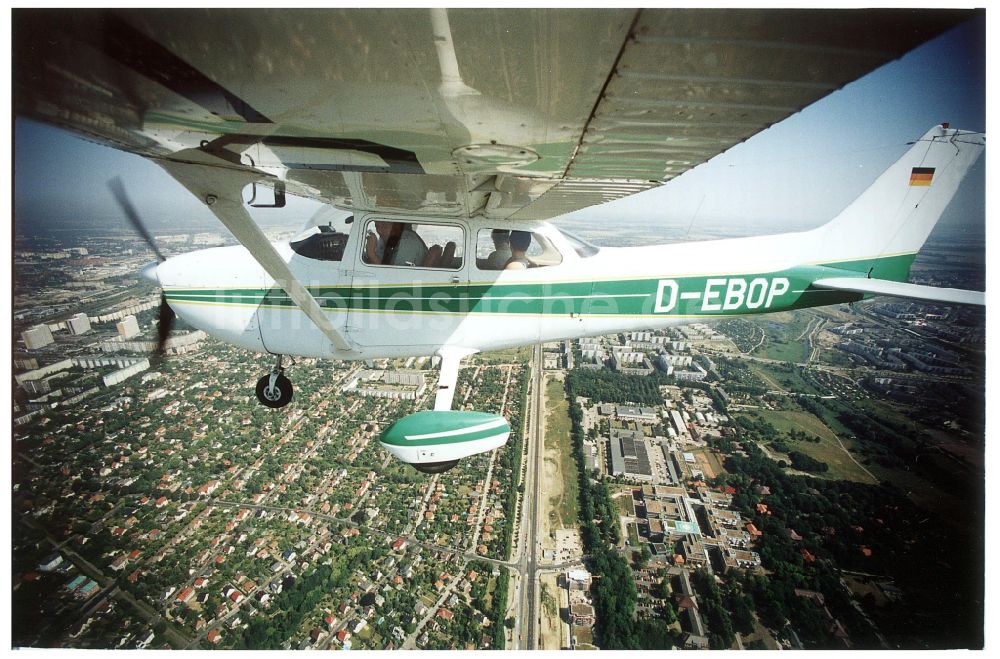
920,490
786,351
557,437
833,357
633,535
788,378
509,356
889,413
782,331
624,502
828,450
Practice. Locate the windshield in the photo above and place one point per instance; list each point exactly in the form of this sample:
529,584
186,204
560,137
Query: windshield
321,243
579,245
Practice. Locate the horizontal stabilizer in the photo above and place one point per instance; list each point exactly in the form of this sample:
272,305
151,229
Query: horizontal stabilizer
900,289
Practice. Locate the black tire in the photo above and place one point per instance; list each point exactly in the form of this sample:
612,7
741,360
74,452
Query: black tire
434,467
284,386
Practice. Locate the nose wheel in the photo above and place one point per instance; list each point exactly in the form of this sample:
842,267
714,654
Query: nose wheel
274,389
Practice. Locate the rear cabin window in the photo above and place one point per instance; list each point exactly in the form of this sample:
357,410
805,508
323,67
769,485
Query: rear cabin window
408,244
505,249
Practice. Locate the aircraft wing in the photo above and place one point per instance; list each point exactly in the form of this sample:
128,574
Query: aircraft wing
522,114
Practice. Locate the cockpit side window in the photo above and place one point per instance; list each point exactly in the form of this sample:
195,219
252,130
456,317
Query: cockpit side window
321,243
409,244
505,249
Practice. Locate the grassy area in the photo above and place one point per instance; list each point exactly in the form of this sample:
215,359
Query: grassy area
802,421
491,585
782,331
889,413
584,635
828,450
788,378
790,351
833,357
633,535
624,503
922,491
711,460
509,356
549,601
557,437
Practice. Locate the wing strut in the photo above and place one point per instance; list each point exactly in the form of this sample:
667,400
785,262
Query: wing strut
451,358
220,186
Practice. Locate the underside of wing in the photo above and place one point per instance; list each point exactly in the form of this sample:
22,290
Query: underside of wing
523,114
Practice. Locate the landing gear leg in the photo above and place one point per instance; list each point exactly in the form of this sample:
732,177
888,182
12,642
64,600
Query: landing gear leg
275,390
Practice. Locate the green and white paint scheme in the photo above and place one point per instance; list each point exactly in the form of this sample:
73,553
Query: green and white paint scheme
435,441
375,311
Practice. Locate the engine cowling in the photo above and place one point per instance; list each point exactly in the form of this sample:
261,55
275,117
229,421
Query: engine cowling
434,441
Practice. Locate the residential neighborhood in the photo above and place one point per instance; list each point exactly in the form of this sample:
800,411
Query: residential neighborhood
749,484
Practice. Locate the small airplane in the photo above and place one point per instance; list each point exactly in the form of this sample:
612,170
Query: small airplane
436,240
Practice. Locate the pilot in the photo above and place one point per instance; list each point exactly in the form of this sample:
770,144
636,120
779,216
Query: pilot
394,243
519,243
501,250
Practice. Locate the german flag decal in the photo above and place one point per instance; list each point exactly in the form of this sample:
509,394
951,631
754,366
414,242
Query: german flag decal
921,175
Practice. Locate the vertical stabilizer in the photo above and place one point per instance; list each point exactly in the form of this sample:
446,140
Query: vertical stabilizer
881,231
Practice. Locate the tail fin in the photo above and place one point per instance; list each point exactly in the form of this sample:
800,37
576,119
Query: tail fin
881,231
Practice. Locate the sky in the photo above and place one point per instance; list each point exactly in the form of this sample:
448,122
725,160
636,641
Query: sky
799,173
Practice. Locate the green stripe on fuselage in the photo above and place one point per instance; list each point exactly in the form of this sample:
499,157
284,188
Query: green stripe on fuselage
721,295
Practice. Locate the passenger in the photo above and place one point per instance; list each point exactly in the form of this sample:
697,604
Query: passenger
519,243
394,243
497,260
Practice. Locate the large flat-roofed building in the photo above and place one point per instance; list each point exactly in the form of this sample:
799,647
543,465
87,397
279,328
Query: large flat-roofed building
676,360
37,337
665,366
128,327
398,385
637,413
582,614
695,374
411,378
679,424
78,324
578,580
629,457
25,361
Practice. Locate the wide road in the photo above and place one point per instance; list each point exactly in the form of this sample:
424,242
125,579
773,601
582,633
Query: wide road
528,564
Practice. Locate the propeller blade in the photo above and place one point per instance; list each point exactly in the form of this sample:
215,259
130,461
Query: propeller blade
118,190
164,326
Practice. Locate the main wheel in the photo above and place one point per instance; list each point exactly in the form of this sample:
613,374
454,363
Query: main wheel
434,467
277,397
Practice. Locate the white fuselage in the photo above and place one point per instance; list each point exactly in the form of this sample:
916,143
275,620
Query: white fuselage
399,311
